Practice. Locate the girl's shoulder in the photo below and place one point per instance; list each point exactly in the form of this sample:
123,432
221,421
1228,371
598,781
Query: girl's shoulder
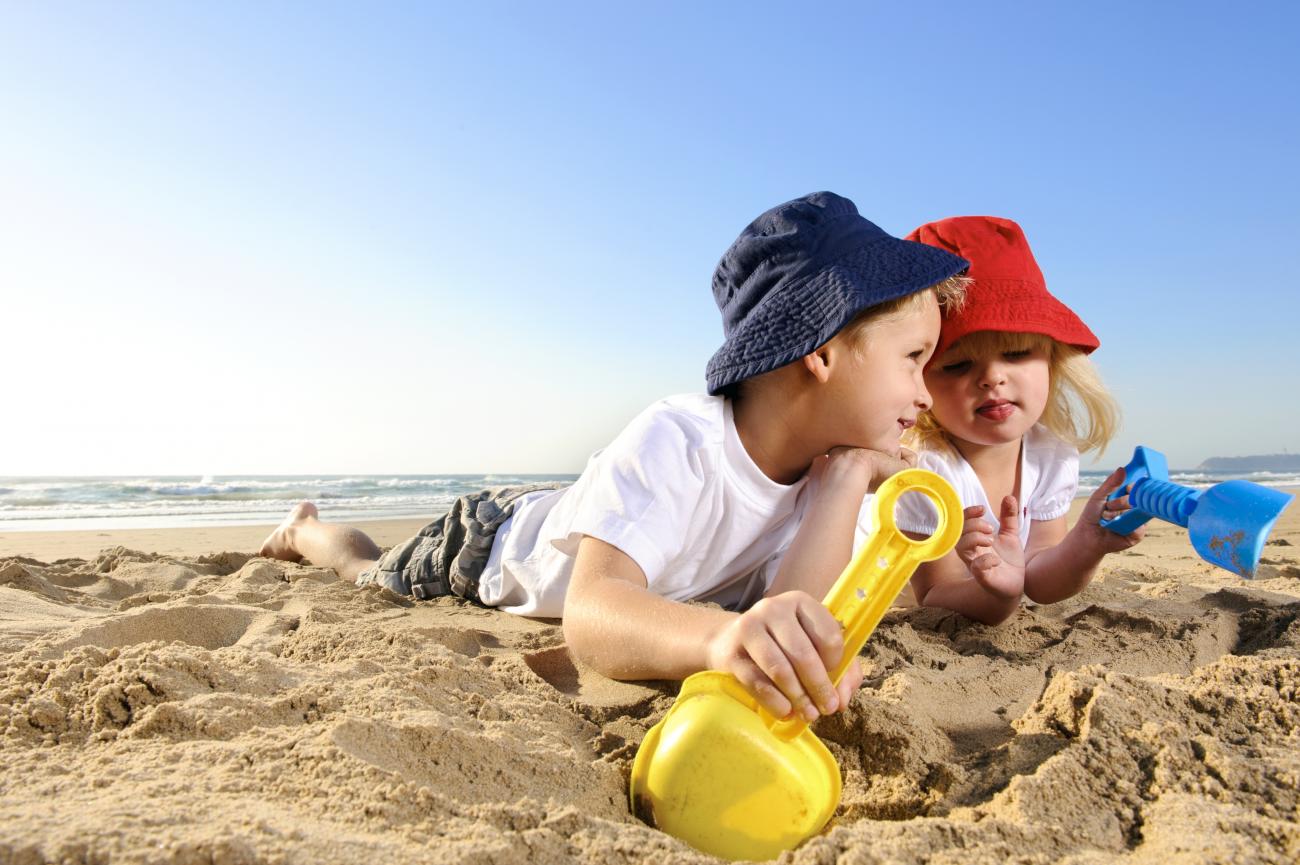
1045,445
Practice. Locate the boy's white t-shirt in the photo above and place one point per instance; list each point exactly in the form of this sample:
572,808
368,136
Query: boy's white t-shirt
1049,479
675,491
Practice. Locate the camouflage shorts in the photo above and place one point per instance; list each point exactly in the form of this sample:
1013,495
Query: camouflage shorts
447,557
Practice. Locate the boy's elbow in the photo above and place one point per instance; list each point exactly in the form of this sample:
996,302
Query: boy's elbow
583,642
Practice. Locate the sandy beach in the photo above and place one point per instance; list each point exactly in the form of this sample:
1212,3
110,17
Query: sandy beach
166,696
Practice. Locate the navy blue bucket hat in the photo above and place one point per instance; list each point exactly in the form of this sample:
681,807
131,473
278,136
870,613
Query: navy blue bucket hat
802,271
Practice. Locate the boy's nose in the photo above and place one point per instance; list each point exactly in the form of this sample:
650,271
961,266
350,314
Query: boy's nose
923,399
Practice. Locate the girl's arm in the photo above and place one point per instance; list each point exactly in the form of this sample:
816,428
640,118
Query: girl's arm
983,577
1060,564
947,583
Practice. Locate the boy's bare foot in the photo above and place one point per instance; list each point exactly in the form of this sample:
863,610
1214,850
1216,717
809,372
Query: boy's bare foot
279,544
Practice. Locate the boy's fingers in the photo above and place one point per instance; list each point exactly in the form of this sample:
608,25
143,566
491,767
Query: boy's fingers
973,511
768,694
775,665
802,654
849,683
826,633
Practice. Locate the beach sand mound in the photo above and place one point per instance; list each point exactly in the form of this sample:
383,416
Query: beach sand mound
231,709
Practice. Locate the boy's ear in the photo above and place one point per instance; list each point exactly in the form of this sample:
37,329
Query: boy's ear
819,363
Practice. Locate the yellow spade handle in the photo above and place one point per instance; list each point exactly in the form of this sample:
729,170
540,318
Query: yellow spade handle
882,568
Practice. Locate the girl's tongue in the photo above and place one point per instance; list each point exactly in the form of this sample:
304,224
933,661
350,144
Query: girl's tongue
996,410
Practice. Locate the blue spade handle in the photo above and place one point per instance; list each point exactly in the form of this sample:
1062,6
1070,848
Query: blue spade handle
1227,524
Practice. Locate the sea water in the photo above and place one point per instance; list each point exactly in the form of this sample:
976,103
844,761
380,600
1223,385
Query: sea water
60,503
94,503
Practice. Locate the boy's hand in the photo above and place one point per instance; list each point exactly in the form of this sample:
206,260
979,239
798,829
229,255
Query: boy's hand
781,650
1098,540
865,467
996,561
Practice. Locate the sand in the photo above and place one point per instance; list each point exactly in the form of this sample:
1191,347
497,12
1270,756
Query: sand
191,706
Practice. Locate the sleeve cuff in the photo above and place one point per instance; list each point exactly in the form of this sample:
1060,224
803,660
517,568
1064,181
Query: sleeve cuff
629,540
1050,513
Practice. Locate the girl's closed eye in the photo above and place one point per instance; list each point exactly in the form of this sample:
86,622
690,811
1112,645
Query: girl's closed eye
956,367
1019,354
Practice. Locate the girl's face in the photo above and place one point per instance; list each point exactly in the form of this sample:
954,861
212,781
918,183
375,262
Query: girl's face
992,394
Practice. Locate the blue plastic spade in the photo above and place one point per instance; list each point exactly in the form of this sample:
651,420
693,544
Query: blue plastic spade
1228,523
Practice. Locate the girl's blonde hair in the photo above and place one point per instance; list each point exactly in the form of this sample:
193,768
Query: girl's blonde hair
1079,409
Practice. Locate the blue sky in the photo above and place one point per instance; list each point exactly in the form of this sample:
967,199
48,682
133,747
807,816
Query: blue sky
319,238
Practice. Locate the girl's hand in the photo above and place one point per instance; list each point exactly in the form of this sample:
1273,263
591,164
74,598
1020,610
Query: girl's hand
780,650
1101,540
996,561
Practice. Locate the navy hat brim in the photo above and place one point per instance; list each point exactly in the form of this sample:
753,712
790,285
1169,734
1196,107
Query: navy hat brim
802,316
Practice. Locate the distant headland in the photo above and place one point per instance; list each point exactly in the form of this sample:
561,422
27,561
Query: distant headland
1263,463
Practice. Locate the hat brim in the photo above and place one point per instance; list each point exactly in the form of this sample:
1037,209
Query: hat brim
1004,308
803,316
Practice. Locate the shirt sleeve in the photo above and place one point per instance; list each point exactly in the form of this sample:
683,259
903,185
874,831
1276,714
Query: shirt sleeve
1058,482
915,512
643,489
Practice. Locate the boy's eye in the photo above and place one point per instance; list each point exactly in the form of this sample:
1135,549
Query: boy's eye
918,354
956,367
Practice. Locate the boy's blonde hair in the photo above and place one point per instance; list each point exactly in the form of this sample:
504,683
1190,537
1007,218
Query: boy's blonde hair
1079,409
950,293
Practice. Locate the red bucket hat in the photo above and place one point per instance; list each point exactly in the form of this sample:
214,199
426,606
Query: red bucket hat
1008,291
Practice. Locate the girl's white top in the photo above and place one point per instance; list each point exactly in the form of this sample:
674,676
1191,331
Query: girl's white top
1049,479
677,492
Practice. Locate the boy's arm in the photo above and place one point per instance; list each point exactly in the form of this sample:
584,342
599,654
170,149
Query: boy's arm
780,650
1059,564
621,629
824,543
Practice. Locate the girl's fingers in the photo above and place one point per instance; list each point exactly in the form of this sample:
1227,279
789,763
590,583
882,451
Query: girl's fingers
1010,517
1113,482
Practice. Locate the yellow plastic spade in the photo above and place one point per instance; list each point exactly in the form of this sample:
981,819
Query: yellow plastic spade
731,780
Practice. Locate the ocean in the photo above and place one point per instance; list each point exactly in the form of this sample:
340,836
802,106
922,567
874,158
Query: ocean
98,503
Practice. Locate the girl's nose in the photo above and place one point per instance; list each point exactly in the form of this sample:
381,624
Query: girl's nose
992,374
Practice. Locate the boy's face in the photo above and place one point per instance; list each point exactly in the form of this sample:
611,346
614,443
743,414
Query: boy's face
990,398
883,389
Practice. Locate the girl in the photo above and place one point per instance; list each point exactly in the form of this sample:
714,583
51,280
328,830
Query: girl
1014,401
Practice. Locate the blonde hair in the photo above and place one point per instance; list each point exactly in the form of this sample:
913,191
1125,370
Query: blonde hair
950,293
1079,409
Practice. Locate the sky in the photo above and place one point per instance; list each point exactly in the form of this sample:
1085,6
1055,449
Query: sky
302,238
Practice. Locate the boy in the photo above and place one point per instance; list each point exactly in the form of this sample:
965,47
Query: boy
746,497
